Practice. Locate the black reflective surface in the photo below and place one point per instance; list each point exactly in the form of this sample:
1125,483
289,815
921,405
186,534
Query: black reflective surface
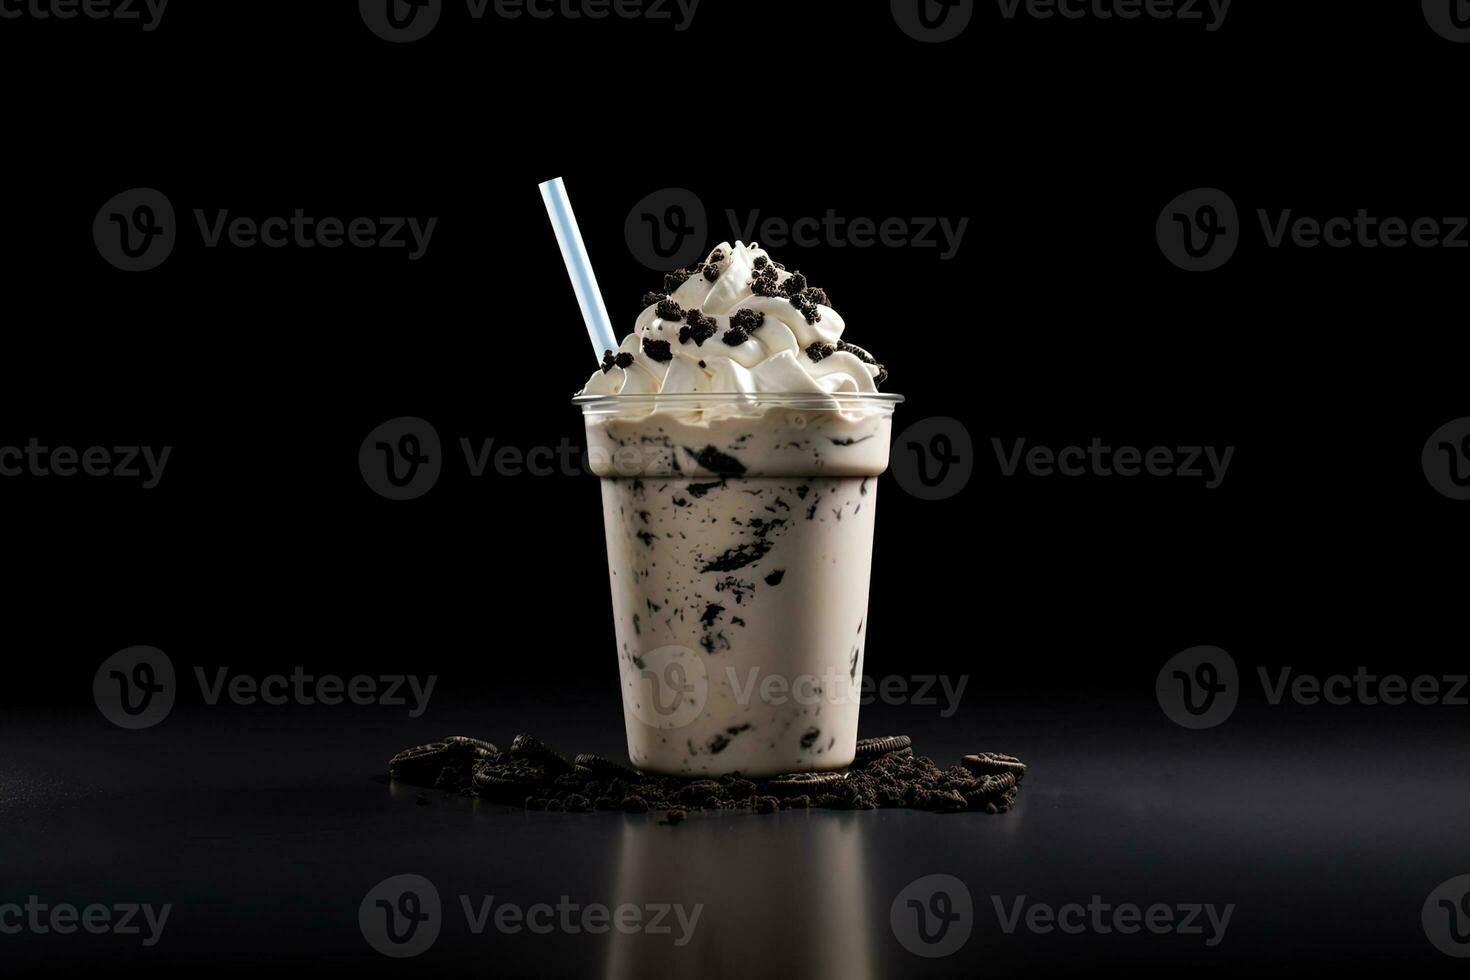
265,832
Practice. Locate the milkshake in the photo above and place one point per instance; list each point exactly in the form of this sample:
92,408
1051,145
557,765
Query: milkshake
739,439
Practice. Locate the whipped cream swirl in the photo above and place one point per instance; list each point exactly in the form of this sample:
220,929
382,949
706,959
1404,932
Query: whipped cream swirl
737,322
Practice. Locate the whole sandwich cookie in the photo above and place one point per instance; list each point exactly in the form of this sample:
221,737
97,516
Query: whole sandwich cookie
871,748
474,748
994,764
533,750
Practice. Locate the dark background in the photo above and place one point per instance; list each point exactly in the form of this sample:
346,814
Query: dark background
1059,320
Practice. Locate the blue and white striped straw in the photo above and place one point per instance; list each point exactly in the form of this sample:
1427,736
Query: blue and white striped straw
579,267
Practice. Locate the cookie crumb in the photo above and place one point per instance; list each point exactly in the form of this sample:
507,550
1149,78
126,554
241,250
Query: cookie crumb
885,772
747,320
697,327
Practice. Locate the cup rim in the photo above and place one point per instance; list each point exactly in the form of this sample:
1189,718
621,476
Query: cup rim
778,399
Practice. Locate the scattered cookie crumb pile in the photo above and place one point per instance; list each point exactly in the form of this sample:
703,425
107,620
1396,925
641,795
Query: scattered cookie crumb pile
885,773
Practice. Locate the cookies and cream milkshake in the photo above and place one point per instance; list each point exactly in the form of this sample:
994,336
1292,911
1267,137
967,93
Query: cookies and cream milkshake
739,439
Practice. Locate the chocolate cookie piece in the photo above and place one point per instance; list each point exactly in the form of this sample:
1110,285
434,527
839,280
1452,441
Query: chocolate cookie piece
610,360
765,283
698,328
872,748
533,750
947,801
700,793
995,794
885,773
717,462
511,784
747,320
420,763
474,748
857,352
796,784
658,350
807,307
454,779
994,764
597,766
